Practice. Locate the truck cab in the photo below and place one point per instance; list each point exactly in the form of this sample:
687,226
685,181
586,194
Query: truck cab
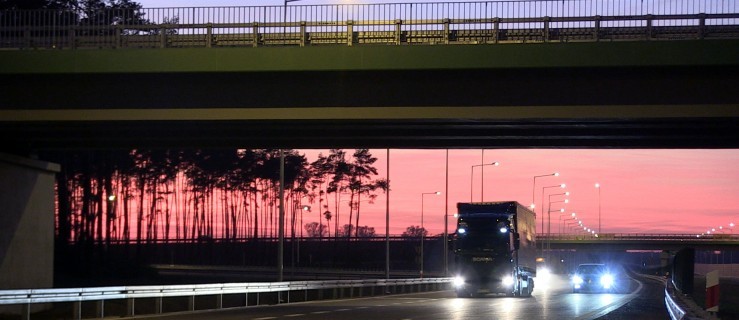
486,249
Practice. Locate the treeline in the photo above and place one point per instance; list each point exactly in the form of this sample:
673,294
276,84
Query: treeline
107,17
148,195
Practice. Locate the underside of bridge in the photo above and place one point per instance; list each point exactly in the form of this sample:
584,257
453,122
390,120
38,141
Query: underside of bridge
680,94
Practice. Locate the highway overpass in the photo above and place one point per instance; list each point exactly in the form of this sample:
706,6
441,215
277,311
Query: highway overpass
574,81
570,80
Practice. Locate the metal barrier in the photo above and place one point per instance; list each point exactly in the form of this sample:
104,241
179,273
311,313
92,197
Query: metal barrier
681,307
641,236
27,297
361,32
350,24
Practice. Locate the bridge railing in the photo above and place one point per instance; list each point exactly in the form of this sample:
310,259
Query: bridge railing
289,292
396,23
641,236
363,32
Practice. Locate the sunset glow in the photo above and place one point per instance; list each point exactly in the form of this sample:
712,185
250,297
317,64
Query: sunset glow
642,191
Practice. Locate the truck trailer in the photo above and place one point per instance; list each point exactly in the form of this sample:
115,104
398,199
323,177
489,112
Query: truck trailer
494,249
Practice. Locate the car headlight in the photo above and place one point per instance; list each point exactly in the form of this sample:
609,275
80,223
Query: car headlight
458,282
577,279
606,281
507,281
543,274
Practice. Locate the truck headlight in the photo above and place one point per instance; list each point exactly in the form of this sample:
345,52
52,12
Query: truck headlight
606,281
458,282
507,281
577,279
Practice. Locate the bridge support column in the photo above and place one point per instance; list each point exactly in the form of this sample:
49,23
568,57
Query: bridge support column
26,225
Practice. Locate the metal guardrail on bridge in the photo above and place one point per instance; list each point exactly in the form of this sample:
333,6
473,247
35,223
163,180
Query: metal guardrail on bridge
640,237
350,24
27,297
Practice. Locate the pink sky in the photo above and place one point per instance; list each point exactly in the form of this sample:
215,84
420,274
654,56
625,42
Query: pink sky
643,191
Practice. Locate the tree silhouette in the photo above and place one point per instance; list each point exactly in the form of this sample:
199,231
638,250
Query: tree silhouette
339,183
414,232
315,230
144,195
362,171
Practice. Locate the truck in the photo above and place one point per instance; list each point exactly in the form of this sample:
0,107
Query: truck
494,249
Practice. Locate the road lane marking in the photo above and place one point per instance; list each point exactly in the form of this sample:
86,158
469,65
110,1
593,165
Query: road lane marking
339,310
295,315
320,312
597,313
265,318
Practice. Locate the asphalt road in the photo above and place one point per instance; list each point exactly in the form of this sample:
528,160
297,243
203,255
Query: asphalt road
555,301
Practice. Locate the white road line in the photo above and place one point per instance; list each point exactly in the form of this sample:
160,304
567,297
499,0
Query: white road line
265,318
597,313
295,315
320,312
339,310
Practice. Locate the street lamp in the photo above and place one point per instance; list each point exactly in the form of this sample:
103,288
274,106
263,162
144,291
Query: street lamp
542,201
549,206
533,189
422,229
569,225
561,229
597,186
542,206
482,182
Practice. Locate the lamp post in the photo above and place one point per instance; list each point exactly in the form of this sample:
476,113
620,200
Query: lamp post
571,224
549,213
281,232
542,206
561,229
303,208
422,229
387,217
472,173
542,201
446,218
597,186
533,189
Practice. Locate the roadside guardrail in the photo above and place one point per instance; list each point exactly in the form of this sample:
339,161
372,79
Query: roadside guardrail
287,292
679,306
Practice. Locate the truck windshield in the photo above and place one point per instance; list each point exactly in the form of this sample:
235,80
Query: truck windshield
486,234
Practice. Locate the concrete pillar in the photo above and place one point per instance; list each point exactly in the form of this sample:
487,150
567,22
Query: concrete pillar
26,225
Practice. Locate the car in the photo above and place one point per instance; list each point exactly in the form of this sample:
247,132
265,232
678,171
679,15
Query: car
593,277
